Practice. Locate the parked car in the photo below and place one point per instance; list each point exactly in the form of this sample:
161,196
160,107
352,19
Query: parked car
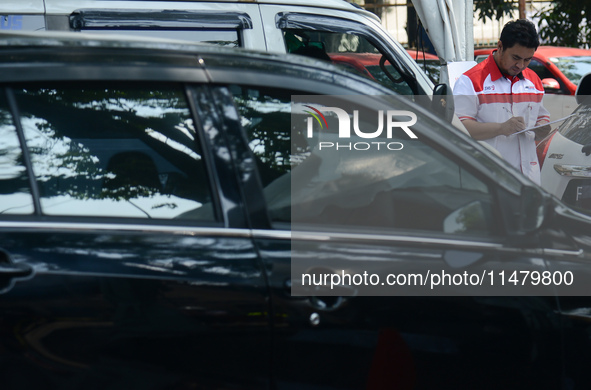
564,155
163,204
276,26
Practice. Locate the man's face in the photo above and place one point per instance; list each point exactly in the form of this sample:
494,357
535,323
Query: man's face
513,60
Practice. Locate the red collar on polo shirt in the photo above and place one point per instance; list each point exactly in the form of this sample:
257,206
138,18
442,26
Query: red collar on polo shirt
495,72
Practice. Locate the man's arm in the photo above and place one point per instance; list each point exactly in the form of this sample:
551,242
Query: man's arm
482,131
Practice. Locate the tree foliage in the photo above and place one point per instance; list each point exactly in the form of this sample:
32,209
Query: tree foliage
493,9
565,23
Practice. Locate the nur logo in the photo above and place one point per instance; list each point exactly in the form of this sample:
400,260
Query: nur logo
392,121
344,120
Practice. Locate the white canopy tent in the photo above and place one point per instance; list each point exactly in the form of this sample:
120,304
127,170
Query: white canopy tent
449,25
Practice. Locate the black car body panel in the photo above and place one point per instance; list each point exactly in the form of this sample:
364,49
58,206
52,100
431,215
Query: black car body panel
185,281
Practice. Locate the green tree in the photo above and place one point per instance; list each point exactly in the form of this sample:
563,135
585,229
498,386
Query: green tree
565,23
489,9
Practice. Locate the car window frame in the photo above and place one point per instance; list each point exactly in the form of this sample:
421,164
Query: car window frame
218,191
324,23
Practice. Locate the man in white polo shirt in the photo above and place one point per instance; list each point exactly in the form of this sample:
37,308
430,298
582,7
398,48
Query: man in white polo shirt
501,96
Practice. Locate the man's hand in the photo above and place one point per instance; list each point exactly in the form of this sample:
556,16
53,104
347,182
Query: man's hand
513,125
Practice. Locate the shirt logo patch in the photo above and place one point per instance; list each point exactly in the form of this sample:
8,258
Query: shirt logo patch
489,88
533,163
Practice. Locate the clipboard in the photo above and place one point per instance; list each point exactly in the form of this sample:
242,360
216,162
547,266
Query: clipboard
543,125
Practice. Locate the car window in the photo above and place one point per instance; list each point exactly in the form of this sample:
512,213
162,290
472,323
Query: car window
574,68
432,68
414,188
543,73
576,128
113,149
349,51
211,27
15,193
265,117
538,67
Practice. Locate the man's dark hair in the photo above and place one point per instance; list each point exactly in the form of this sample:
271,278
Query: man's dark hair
520,31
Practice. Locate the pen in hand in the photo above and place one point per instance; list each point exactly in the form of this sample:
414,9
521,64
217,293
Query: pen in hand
512,125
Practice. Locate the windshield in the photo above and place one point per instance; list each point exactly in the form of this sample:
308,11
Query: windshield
576,128
574,68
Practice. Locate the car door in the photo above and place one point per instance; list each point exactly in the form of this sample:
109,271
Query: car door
125,260
382,219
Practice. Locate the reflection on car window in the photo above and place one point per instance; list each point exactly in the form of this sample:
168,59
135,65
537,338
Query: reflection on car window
15,194
265,116
574,68
576,128
113,150
413,188
544,73
540,69
351,52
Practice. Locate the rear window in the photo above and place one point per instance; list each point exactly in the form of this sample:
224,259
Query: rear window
125,150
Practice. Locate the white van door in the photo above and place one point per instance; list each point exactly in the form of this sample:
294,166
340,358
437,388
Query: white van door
219,23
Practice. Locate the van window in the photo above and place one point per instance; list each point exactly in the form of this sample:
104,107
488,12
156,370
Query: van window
217,28
350,45
350,52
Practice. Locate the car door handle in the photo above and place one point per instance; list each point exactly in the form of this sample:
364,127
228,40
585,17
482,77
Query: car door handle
10,269
15,270
324,303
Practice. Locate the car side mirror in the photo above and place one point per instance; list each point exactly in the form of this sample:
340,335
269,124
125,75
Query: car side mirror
532,209
551,85
443,102
583,93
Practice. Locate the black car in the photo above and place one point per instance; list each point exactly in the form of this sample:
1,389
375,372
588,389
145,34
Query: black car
168,220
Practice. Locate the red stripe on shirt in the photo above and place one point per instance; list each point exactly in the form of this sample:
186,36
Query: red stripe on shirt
510,98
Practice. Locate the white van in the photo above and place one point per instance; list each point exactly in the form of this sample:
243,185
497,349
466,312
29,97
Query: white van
331,29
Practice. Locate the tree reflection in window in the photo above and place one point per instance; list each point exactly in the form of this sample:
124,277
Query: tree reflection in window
113,150
15,195
266,117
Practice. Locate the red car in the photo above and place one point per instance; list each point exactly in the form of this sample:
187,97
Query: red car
560,68
368,64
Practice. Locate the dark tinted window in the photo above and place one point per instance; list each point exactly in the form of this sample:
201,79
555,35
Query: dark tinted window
544,73
540,69
413,187
15,194
116,150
